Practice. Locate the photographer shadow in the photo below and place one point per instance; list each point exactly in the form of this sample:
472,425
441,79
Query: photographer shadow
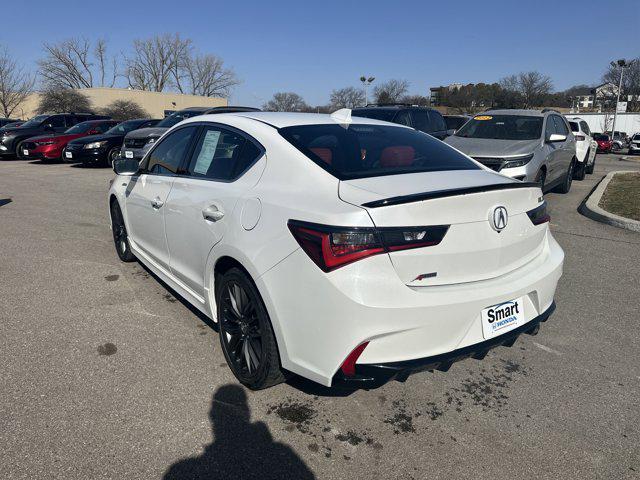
241,449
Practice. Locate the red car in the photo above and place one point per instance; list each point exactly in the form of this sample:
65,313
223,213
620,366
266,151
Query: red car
50,147
604,143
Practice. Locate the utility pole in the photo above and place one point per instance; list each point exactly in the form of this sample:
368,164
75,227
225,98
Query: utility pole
366,81
620,63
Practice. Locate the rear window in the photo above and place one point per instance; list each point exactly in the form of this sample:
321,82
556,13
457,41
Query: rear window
359,151
574,127
601,137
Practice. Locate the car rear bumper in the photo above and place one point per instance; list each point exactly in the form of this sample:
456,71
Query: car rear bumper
320,318
375,375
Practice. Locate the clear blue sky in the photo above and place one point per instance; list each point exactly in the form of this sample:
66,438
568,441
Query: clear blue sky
313,47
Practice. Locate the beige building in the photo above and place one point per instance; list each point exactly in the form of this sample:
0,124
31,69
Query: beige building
155,103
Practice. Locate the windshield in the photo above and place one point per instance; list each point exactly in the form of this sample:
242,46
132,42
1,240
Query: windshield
83,127
377,114
372,150
636,137
35,121
502,127
124,127
602,137
176,117
454,123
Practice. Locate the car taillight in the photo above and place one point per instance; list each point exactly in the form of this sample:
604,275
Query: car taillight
580,138
348,367
332,247
539,214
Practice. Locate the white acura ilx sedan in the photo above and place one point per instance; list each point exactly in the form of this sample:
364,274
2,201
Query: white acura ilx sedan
345,250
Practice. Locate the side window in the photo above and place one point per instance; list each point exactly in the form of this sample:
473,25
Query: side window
437,121
421,120
166,157
56,120
561,127
550,128
403,118
217,154
103,127
585,128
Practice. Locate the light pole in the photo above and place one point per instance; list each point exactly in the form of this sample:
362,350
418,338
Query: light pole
366,81
620,63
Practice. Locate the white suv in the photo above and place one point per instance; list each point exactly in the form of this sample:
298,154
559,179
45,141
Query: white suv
586,147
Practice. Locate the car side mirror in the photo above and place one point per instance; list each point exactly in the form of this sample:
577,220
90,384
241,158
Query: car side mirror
126,166
556,137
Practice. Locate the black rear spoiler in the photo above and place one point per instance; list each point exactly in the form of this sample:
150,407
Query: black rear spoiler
451,192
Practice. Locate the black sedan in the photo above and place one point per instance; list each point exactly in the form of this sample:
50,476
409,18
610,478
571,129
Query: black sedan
103,149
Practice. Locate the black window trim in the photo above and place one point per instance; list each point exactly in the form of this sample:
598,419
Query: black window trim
184,164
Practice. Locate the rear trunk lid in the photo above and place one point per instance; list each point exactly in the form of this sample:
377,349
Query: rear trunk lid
472,248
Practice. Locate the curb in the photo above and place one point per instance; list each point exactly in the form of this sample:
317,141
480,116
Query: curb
630,158
589,207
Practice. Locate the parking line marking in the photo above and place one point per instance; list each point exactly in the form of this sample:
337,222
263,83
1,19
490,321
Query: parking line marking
547,349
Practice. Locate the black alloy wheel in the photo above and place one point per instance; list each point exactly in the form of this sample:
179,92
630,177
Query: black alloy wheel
246,336
120,236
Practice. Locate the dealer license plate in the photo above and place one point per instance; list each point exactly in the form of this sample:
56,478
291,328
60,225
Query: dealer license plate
502,318
128,154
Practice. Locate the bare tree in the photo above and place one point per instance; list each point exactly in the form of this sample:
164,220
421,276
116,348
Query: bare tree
534,86
286,102
208,77
157,62
56,100
419,100
124,110
75,63
391,91
15,83
349,97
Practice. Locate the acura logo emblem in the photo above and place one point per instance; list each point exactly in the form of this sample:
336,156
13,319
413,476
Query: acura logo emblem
499,219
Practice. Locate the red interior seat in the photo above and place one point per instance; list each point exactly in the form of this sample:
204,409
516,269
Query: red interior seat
325,154
398,156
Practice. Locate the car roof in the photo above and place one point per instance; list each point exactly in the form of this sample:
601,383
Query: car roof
288,119
514,111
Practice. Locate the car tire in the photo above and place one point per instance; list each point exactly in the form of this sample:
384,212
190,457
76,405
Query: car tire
565,186
120,235
246,335
541,177
112,156
591,167
580,170
18,150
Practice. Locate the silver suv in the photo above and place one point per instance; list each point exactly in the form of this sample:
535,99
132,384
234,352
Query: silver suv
528,145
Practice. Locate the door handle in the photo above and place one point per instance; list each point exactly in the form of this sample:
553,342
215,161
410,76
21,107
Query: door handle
157,203
212,214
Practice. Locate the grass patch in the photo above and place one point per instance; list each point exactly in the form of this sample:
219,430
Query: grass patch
622,196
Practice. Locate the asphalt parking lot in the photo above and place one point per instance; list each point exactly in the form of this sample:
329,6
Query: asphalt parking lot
106,374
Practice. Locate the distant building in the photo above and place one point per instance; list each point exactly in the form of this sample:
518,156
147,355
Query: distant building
154,103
